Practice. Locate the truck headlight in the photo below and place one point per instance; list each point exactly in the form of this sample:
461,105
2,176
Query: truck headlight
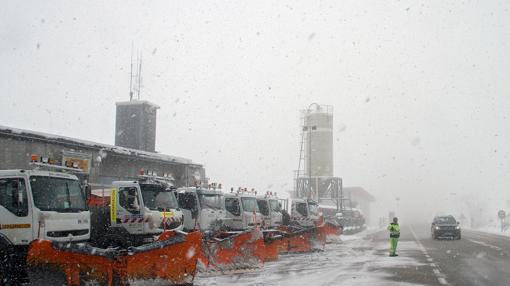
457,227
437,227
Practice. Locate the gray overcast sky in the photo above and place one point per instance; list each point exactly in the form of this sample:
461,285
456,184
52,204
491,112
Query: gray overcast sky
421,90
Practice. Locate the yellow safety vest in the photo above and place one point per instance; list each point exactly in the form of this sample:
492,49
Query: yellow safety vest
394,230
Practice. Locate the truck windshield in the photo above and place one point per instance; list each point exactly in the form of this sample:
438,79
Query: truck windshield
57,194
210,201
313,209
156,197
250,204
275,205
263,207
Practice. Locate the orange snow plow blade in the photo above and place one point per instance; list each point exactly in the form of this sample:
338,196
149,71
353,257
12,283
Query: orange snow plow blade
332,228
300,242
274,243
303,239
227,251
51,264
170,260
175,263
297,239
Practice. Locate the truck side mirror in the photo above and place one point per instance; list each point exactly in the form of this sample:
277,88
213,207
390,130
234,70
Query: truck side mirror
19,196
88,192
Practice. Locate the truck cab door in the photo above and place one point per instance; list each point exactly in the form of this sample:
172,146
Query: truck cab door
265,212
188,203
233,215
275,214
127,207
300,213
16,225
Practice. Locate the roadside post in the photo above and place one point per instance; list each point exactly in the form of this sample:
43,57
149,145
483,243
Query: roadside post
502,216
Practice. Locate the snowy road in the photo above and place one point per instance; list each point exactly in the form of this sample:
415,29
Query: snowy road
477,259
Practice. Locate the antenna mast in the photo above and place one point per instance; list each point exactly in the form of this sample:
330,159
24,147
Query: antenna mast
131,76
140,76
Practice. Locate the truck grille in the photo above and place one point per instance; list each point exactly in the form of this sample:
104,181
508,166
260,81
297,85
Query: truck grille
66,233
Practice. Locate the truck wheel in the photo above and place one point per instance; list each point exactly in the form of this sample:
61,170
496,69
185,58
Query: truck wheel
2,275
10,274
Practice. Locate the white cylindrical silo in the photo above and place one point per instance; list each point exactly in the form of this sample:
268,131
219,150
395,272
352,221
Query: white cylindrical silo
318,136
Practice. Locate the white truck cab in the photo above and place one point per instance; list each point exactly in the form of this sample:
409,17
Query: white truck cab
305,212
203,209
242,210
271,209
36,204
138,210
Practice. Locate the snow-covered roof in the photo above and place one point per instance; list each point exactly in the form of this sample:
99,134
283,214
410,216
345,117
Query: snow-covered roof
94,145
359,192
137,102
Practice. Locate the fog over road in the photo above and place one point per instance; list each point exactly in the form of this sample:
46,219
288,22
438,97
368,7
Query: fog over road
477,259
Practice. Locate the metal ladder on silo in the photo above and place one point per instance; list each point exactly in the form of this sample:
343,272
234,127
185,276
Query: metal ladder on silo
301,164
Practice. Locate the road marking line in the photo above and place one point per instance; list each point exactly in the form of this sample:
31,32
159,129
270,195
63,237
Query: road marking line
440,276
486,245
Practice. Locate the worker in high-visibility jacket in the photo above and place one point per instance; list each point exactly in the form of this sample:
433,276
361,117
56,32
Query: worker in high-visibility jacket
394,229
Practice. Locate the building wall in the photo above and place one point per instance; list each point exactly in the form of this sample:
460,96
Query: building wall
105,167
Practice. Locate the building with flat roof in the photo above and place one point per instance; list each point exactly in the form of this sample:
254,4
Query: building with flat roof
101,163
359,198
135,125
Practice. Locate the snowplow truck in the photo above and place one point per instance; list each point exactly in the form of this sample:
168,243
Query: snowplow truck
38,204
242,210
271,209
203,209
223,250
305,212
136,212
128,242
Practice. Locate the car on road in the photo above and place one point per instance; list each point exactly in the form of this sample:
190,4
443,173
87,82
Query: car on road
445,227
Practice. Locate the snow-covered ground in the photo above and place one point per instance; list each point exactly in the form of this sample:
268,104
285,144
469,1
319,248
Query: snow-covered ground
354,260
494,228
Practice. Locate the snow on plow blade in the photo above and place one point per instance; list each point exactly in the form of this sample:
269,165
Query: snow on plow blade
170,260
231,250
303,239
332,228
275,243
